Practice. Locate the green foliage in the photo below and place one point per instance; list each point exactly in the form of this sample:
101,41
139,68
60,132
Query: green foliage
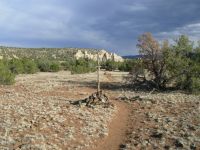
79,69
183,64
83,66
110,65
6,76
30,66
55,67
153,60
45,65
128,65
195,85
16,66
177,65
68,64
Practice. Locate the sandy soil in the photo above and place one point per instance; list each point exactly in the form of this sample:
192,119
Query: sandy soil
117,129
35,113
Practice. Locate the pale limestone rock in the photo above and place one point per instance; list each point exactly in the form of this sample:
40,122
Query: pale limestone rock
117,58
79,54
14,56
103,55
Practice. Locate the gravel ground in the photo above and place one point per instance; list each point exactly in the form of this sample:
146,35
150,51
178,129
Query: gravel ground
36,114
164,121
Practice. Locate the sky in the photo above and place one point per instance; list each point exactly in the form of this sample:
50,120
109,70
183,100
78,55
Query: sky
114,25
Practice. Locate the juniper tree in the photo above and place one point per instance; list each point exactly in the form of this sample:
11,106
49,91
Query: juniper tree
153,59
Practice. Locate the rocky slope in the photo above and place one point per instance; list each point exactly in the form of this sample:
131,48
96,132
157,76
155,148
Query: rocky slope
56,53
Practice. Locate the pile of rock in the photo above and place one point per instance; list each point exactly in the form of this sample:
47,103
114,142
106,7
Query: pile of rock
97,98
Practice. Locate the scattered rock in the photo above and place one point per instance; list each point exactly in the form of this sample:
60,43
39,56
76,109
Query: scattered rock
157,134
122,147
178,143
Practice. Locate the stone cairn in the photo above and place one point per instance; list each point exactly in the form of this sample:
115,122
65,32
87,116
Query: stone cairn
97,98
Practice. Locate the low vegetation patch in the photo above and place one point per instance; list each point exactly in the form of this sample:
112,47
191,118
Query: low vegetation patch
127,65
48,66
6,76
83,66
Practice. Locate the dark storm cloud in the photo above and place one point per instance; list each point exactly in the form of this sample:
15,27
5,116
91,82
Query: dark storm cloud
109,24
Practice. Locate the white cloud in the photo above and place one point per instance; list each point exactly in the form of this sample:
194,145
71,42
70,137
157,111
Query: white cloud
192,30
135,7
47,22
106,23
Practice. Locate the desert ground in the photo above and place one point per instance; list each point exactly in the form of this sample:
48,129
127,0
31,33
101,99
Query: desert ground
36,113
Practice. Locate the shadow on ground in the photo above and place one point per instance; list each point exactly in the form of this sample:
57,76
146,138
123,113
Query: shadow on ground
116,86
104,85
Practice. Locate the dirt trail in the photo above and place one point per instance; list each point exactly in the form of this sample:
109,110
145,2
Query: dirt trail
117,129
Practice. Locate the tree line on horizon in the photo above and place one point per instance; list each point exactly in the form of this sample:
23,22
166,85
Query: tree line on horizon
9,68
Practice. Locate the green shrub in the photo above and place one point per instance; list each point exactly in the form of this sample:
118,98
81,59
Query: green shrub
30,66
195,85
6,76
43,65
54,67
110,65
79,69
16,66
183,64
48,66
66,65
83,66
128,65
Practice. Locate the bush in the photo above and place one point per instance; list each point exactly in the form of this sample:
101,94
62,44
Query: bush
79,69
54,67
43,65
110,65
184,65
48,66
195,85
6,76
83,66
30,66
16,66
67,65
128,65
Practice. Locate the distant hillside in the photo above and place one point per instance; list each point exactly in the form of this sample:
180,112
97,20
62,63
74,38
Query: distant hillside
35,53
132,56
59,54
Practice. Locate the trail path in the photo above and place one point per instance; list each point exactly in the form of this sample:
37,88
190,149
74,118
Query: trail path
117,129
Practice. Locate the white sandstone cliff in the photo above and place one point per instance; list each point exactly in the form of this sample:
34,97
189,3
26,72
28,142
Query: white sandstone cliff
103,55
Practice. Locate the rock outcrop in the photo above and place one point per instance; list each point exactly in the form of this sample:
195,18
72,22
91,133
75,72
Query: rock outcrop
103,55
